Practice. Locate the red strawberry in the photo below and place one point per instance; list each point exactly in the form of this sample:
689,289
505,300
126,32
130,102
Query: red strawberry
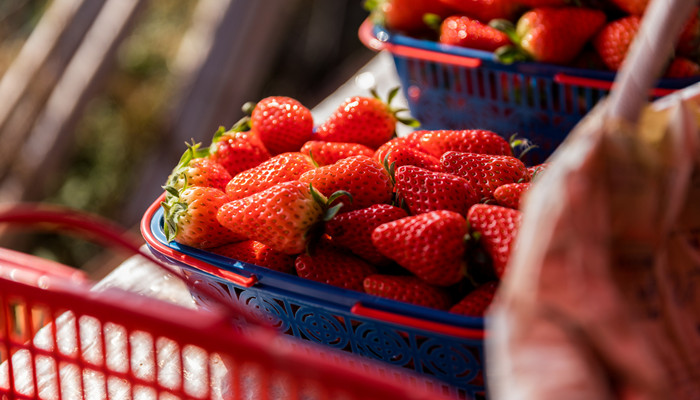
237,150
423,191
190,217
282,123
682,67
509,195
497,228
477,301
404,15
484,172
366,181
430,245
551,34
410,141
467,32
365,120
195,169
408,289
481,141
333,266
353,230
256,253
280,168
535,170
615,38
327,153
282,216
407,156
484,10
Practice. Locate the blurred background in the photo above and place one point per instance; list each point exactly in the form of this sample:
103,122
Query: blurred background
97,97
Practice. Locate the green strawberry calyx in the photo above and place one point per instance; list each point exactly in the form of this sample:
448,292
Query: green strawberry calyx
408,121
194,151
513,52
242,125
173,210
520,146
328,211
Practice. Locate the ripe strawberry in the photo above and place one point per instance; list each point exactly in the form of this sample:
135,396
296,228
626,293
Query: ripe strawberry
467,32
237,150
534,171
333,266
410,141
484,172
353,230
408,289
280,168
327,153
439,142
282,123
282,216
404,15
366,181
551,34
497,228
615,38
256,253
423,191
365,120
682,67
406,156
430,245
484,10
509,195
196,169
476,302
190,217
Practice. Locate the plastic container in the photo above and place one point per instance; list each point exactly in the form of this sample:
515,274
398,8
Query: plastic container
450,87
441,345
61,338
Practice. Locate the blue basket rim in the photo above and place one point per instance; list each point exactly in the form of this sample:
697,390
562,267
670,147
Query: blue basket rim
331,296
524,67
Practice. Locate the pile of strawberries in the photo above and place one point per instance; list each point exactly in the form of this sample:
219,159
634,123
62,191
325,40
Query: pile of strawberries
428,218
591,34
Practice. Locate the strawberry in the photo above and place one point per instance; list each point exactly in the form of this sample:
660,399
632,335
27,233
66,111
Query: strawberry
467,32
407,156
256,253
615,38
353,230
476,302
282,217
237,150
280,168
408,289
196,169
535,170
333,266
509,195
190,217
496,228
430,245
550,34
326,153
404,15
423,191
439,142
484,10
484,172
366,181
282,123
682,67
365,120
410,141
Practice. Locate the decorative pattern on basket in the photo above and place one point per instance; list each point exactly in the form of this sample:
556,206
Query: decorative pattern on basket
455,361
450,87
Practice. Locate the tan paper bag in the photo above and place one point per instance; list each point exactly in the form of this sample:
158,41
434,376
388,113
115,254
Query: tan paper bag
602,295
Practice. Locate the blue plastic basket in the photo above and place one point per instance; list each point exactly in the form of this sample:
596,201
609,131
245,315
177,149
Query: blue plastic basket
450,87
444,346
